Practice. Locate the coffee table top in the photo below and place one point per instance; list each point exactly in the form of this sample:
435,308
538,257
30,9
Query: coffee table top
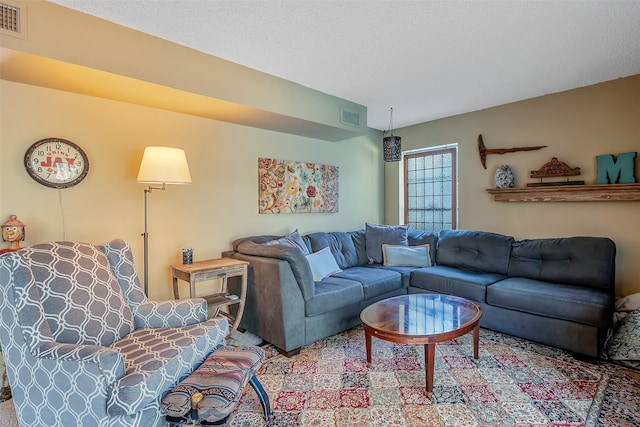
434,317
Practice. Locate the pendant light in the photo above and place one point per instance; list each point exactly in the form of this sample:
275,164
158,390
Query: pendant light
391,144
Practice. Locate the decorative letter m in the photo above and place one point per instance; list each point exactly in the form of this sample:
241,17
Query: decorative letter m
621,171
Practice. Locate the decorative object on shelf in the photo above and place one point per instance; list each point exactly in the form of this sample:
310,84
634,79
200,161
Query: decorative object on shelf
392,145
56,163
285,186
620,171
160,166
187,256
554,168
503,177
13,232
484,151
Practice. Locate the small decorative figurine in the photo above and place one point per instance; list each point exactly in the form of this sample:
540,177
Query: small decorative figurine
503,177
13,232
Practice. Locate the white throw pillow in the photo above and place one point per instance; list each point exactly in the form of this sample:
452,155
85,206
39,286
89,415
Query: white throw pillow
406,256
322,264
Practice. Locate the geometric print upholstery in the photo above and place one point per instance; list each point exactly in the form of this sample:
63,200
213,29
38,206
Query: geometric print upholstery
80,297
60,383
149,314
153,356
221,379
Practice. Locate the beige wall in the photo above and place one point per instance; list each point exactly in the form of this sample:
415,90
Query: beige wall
207,215
576,126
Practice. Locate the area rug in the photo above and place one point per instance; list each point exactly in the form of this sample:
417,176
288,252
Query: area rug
514,383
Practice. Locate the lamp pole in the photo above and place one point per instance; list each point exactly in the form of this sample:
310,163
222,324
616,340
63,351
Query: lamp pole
145,237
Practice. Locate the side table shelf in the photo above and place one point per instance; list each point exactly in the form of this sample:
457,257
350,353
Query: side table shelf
568,193
223,269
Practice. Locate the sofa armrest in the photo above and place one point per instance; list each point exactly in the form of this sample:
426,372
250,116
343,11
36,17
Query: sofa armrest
275,308
170,314
297,262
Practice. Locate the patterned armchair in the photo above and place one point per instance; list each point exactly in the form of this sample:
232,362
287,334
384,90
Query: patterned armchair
83,346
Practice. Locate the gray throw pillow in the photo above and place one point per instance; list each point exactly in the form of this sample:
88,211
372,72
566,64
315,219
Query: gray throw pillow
292,239
377,235
625,343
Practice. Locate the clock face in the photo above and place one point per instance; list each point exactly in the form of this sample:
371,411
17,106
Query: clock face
56,163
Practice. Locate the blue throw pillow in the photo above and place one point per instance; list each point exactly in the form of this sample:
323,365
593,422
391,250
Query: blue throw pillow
292,239
377,235
322,264
406,256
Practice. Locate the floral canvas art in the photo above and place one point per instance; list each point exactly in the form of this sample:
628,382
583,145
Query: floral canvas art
286,186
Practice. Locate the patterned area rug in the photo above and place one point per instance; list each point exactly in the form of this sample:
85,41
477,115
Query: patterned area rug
514,383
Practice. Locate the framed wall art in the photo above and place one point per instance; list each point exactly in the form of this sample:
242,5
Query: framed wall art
286,186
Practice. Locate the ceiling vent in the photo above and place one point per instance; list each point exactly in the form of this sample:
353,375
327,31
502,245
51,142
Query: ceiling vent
13,19
349,117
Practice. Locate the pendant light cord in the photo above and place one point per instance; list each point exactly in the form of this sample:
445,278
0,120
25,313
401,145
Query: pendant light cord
390,129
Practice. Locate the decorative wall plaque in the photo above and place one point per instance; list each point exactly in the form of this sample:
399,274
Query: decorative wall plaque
555,168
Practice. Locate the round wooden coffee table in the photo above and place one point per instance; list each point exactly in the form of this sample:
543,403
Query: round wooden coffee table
422,319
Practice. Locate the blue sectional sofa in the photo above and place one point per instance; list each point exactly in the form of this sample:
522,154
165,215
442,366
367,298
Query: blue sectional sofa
558,292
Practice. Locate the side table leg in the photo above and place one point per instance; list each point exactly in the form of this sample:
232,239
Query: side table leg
176,293
429,358
367,339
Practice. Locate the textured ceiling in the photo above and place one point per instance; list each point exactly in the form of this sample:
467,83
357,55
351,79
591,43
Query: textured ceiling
426,59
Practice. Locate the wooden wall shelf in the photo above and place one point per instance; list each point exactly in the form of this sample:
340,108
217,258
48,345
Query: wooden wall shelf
568,193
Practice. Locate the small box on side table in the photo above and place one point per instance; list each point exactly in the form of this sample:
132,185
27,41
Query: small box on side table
221,268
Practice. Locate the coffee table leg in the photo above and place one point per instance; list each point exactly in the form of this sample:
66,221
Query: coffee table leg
367,339
429,356
476,340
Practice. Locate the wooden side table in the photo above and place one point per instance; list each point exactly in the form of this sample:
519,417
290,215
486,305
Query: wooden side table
211,269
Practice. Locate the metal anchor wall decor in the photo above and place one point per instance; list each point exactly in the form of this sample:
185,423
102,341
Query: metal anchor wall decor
484,151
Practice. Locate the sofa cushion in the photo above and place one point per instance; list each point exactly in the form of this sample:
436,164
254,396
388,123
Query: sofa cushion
322,264
377,235
406,256
374,281
583,261
360,243
574,303
417,238
405,272
340,243
292,239
333,293
453,281
80,296
474,250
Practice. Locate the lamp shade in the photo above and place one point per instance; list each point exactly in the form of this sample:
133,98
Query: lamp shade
392,148
164,165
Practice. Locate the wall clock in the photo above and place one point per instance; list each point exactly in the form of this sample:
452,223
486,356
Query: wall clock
56,163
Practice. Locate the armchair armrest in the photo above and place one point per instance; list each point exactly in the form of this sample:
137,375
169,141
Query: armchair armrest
170,314
100,360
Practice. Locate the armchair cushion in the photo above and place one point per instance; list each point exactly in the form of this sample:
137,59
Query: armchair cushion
153,356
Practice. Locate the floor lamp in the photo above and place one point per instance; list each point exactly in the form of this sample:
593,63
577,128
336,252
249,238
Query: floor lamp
160,166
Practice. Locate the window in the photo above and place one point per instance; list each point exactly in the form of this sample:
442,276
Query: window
430,189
